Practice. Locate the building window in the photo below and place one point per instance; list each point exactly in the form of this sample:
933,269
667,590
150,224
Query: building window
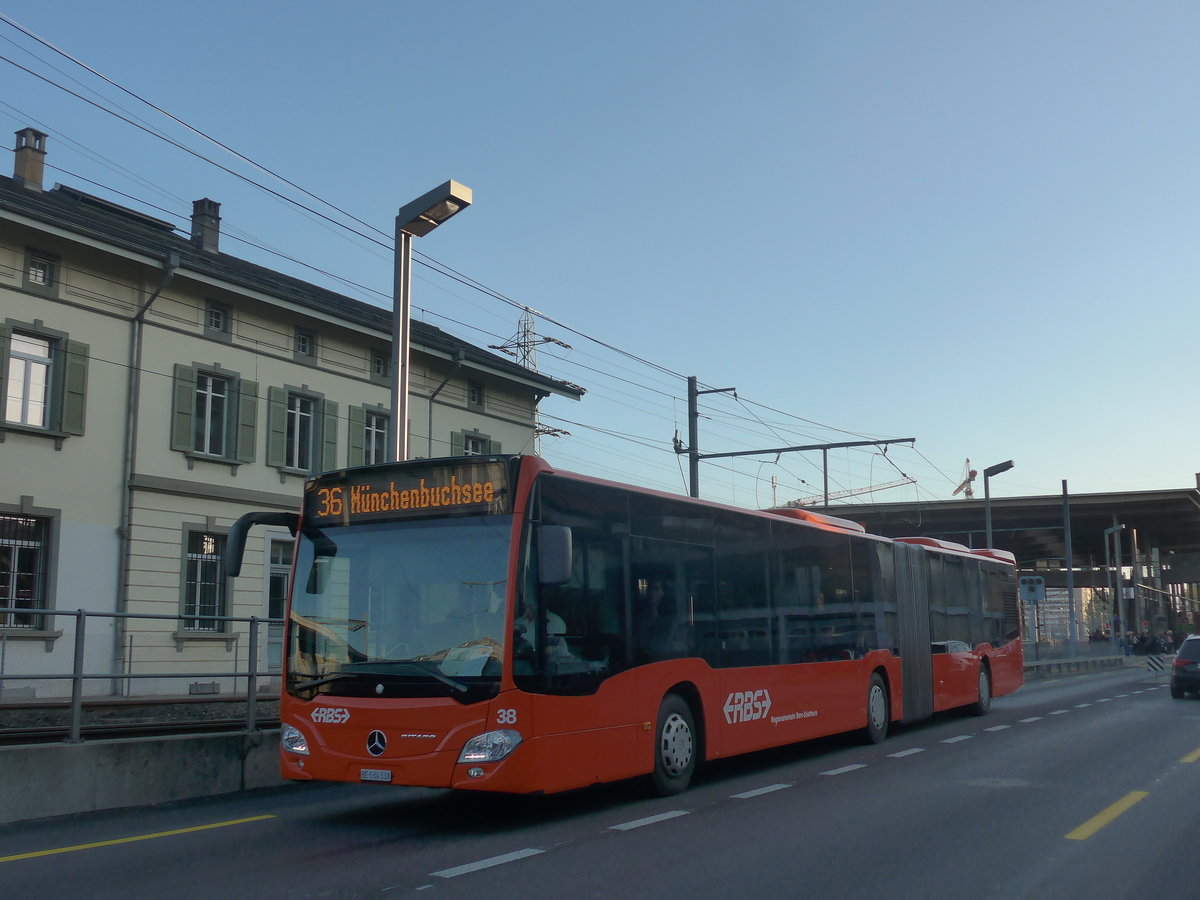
301,430
23,541
305,346
375,438
279,574
281,570
475,396
379,365
44,379
204,582
218,322
472,443
368,435
214,414
41,272
301,411
27,394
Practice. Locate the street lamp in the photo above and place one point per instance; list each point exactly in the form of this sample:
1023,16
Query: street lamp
987,496
415,219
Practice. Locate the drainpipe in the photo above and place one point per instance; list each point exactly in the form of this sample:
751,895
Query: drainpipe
136,326
458,361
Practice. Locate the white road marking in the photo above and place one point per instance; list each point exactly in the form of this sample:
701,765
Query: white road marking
649,820
1032,719
487,863
909,752
957,738
997,728
844,769
758,792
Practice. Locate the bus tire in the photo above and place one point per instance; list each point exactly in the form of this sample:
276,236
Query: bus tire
981,706
675,746
879,710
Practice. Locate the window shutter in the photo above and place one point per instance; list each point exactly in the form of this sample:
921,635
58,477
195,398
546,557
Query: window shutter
456,443
355,450
5,334
183,408
276,426
329,437
247,420
74,400
493,448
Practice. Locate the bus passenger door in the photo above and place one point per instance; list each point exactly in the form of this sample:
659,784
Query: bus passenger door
571,651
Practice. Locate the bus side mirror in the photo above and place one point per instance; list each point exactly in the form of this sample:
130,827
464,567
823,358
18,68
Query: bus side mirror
554,554
235,541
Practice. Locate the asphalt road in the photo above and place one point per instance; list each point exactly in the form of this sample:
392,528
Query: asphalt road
1086,786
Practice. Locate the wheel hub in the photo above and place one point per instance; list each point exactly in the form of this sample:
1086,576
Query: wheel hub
675,745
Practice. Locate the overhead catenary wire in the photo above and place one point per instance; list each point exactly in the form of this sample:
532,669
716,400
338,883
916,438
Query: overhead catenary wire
445,271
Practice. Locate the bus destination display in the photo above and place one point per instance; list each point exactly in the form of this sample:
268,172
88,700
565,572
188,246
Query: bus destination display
409,491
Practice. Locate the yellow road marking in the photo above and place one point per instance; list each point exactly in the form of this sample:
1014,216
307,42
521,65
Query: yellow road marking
130,840
1095,823
1191,757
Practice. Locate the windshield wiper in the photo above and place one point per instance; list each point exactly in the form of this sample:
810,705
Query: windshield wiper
353,673
434,673
317,682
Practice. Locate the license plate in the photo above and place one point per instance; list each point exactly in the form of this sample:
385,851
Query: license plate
375,775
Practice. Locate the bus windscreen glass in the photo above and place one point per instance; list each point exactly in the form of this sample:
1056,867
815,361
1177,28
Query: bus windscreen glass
400,602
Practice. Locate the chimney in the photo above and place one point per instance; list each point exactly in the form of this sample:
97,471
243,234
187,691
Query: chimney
30,161
206,224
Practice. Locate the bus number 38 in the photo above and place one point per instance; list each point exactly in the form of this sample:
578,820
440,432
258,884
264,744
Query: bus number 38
506,717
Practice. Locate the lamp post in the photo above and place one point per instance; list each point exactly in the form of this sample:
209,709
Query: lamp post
415,219
987,496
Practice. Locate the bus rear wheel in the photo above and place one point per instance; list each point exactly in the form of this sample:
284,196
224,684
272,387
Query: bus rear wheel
675,746
878,710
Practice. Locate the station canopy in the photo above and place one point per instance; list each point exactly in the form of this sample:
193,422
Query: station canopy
1032,528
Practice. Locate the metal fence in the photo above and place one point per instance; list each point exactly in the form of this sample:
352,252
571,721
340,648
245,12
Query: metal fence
1052,650
132,668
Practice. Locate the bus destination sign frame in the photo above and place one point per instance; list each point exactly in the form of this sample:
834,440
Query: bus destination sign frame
409,491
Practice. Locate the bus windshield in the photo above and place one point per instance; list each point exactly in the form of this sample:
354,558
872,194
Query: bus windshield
400,608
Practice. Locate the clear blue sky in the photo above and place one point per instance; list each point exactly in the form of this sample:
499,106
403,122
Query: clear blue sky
973,224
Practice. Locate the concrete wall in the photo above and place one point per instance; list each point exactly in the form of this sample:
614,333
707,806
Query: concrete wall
42,780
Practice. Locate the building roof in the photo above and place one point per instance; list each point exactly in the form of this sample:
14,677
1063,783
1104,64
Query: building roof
93,217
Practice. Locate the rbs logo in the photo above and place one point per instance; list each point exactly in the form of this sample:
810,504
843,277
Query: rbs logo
746,706
331,715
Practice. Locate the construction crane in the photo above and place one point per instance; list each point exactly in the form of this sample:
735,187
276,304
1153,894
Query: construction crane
965,486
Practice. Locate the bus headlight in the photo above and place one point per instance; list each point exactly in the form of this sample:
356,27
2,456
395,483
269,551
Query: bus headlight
491,746
293,740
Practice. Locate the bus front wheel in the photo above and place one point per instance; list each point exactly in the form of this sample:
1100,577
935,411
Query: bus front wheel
675,746
878,710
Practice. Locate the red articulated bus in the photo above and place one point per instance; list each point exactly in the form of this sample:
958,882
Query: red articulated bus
491,623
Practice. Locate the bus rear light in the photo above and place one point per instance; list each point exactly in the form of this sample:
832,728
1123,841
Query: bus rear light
491,746
293,740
